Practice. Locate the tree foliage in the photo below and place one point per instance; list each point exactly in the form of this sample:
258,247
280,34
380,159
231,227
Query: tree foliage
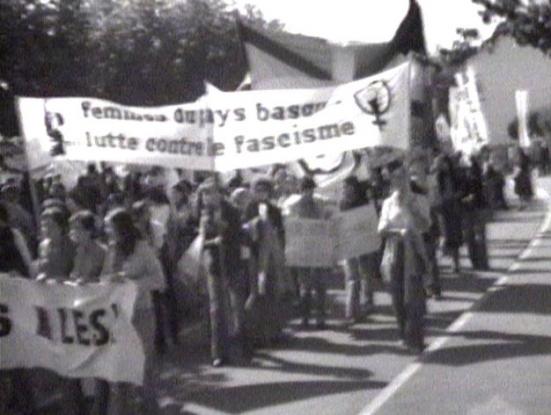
462,49
141,52
528,21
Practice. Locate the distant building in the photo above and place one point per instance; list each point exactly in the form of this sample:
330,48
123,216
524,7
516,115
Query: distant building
502,67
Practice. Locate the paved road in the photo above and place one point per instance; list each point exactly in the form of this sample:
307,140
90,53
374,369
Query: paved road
499,360
481,369
342,370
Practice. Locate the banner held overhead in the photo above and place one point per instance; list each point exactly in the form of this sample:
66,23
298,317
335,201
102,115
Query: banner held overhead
226,131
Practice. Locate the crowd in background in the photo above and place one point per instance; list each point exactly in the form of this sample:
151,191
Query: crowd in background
113,228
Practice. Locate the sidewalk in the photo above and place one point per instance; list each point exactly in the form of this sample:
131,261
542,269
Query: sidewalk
497,358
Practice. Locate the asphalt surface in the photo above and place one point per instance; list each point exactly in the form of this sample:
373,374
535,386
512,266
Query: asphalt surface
489,349
343,370
497,360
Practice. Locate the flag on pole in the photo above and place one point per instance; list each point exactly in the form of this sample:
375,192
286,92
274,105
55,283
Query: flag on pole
284,60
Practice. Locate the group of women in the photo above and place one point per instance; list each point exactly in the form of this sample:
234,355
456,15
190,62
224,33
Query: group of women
135,231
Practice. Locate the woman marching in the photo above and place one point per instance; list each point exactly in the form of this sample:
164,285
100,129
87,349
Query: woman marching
402,223
130,257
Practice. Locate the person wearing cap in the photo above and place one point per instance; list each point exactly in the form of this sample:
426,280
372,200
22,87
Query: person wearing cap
402,224
310,278
220,226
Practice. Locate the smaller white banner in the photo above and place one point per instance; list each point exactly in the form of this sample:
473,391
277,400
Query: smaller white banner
322,243
76,331
309,243
521,100
357,232
468,131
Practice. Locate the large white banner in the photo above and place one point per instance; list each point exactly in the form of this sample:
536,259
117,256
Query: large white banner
468,131
91,129
322,243
76,331
225,131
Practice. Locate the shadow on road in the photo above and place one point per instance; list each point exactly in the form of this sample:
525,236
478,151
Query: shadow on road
244,398
510,346
522,298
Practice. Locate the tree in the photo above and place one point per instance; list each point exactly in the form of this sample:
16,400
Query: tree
139,52
528,21
462,49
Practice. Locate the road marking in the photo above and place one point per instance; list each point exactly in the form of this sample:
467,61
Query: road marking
459,323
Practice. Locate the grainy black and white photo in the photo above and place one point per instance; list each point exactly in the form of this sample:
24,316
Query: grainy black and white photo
261,207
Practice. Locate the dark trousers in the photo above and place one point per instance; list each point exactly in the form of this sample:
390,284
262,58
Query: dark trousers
475,237
226,311
360,274
16,392
432,275
408,300
312,279
166,308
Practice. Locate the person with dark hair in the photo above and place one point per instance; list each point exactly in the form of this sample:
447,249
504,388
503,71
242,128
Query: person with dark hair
310,278
56,254
475,207
235,181
56,251
19,218
494,184
58,191
360,272
85,195
108,182
220,226
132,185
141,213
402,224
15,256
264,223
89,254
449,207
130,257
181,230
523,179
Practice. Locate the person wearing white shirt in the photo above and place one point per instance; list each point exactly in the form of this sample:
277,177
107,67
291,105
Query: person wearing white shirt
402,223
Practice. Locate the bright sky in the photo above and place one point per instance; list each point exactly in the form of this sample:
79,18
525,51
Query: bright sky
345,21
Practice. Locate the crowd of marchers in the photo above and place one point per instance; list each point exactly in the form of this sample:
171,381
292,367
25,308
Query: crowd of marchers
113,228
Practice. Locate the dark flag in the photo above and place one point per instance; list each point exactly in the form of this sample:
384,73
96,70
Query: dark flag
284,60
